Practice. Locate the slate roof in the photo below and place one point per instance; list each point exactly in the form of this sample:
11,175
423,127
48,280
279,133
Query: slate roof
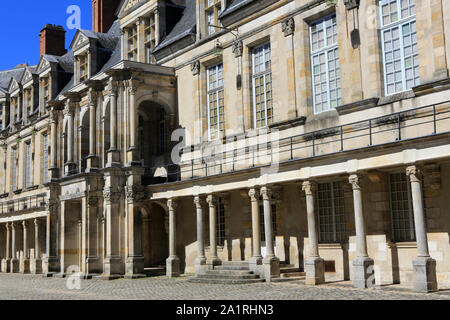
7,75
234,5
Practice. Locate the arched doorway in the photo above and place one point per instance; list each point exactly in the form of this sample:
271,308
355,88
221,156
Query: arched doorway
155,237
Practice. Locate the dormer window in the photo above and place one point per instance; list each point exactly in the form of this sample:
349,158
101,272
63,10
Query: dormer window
83,62
132,44
212,12
28,95
46,89
150,38
15,108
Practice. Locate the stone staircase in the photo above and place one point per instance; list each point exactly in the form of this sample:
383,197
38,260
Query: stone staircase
229,272
155,271
289,272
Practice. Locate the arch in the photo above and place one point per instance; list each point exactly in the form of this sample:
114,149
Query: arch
168,107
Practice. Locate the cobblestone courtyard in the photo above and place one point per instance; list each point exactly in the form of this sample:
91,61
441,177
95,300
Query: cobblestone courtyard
29,287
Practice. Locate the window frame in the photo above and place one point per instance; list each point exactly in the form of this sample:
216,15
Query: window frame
28,165
391,26
264,74
317,53
83,66
215,9
149,36
14,168
211,91
132,34
45,158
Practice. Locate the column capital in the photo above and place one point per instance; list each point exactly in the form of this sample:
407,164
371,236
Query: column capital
198,202
8,226
253,194
356,181
414,173
288,27
211,200
172,204
24,224
266,193
37,222
309,187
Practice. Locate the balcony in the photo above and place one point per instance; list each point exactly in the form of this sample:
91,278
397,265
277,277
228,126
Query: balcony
422,122
23,204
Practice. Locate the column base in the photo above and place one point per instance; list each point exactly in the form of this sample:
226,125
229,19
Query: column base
92,164
255,265
134,268
315,271
6,263
363,273
113,159
271,268
24,266
213,261
173,267
35,266
14,266
70,169
50,266
112,268
200,265
93,265
425,279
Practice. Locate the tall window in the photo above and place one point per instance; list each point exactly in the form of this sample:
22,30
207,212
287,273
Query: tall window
326,72
132,44
46,89
28,165
15,108
14,169
45,158
83,60
216,114
261,220
220,223
150,39
212,12
330,200
400,52
401,208
28,97
262,86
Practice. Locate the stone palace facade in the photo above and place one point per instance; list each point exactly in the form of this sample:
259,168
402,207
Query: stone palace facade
233,138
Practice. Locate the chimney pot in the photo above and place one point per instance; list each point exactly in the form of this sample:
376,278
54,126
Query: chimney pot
53,40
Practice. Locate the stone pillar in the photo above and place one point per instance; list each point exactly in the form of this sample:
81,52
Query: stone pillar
36,262
90,235
6,262
314,264
25,261
173,262
424,266
157,26
14,265
200,261
50,264
271,264
132,151
363,264
92,160
70,164
54,172
256,259
112,264
214,259
113,153
134,267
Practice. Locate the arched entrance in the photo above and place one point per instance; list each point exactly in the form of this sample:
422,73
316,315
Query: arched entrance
155,236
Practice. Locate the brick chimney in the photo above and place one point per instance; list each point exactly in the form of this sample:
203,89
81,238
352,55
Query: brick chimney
103,14
53,40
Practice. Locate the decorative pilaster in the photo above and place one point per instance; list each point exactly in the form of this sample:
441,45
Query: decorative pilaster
200,261
314,264
362,265
113,153
173,262
271,264
69,110
92,160
424,266
132,151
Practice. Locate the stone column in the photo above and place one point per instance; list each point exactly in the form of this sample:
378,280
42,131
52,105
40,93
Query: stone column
200,261
14,266
25,262
113,153
6,262
134,267
363,265
157,26
92,161
36,263
271,264
132,151
70,164
50,264
112,264
90,229
173,262
314,264
256,259
53,144
424,266
214,259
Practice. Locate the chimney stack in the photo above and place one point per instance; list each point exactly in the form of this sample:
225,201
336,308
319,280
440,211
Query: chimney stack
103,14
53,40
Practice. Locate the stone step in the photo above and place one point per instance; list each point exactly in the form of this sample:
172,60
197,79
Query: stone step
284,265
225,281
286,279
237,272
228,276
235,263
231,267
293,275
155,271
289,270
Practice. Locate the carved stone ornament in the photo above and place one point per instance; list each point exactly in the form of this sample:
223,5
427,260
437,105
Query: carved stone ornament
253,194
172,204
288,27
135,193
195,67
356,181
238,48
351,4
413,173
308,187
51,206
111,196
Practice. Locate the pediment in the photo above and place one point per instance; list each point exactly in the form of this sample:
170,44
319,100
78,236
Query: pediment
13,85
43,65
130,5
79,40
27,76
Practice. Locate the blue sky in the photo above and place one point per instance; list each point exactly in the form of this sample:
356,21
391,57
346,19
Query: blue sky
22,20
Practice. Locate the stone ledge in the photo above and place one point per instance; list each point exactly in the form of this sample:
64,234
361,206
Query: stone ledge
432,87
358,106
291,123
396,97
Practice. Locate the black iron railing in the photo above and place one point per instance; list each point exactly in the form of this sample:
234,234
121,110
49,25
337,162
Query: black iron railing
23,204
415,123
